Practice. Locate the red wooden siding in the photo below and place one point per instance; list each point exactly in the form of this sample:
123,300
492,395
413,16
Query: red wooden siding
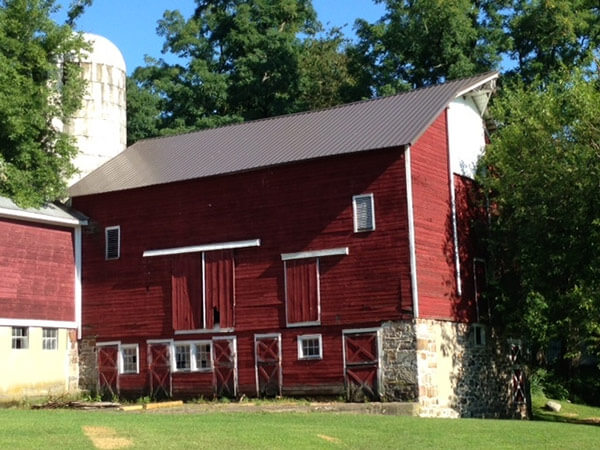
186,291
302,290
37,271
434,243
219,285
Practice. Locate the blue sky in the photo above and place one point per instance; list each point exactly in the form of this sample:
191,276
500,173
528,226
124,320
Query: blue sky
131,24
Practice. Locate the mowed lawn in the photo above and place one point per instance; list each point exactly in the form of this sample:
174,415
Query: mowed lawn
66,429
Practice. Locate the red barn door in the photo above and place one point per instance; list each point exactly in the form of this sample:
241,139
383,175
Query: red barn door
159,368
361,362
108,371
267,350
225,366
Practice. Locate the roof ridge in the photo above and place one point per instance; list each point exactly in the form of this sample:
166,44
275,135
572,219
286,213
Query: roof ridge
314,111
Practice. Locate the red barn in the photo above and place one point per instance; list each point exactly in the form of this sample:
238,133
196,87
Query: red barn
40,300
312,254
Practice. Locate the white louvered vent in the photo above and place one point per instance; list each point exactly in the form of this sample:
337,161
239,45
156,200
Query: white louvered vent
113,242
364,213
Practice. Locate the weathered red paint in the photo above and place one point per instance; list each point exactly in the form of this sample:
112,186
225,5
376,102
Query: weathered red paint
290,208
37,269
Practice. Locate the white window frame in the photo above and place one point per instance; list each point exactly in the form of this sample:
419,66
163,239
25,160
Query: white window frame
24,338
355,215
307,337
192,353
122,348
106,231
49,342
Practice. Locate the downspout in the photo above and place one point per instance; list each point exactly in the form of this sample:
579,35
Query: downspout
453,208
78,295
411,234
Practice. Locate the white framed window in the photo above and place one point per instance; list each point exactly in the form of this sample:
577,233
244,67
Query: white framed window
310,346
194,356
20,338
478,335
49,339
113,242
129,355
363,207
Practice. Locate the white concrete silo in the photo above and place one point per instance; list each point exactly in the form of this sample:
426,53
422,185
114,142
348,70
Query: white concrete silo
100,126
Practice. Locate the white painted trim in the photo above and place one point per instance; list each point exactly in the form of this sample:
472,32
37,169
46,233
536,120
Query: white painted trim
316,253
108,343
303,337
78,292
203,331
6,322
257,337
204,291
203,248
159,341
234,354
192,353
361,330
121,362
411,233
40,218
303,324
475,86
372,198
454,221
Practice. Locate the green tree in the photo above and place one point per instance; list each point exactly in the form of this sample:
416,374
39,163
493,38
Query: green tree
239,60
423,42
546,35
36,92
542,172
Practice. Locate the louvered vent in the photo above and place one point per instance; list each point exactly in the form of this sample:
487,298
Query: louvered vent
364,213
113,242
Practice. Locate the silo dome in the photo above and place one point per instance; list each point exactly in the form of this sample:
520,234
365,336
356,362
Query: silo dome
100,127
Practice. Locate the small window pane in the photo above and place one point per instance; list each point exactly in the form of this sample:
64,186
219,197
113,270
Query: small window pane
130,359
182,357
49,339
203,356
309,347
20,338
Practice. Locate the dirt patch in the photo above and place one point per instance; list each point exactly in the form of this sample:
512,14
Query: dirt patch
329,439
106,438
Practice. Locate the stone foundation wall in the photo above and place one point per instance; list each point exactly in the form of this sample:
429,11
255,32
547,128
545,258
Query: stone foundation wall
73,371
439,365
399,362
88,369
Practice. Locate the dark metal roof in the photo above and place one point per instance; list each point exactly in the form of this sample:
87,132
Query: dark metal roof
372,124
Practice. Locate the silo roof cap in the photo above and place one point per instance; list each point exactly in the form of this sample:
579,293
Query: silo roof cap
104,51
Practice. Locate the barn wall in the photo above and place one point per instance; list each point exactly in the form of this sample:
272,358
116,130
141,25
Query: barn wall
299,207
433,223
37,269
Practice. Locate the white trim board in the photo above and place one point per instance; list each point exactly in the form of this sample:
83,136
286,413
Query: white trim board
411,233
37,323
40,218
316,253
202,248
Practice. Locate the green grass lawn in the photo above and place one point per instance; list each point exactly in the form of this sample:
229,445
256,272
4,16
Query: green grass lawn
21,428
569,412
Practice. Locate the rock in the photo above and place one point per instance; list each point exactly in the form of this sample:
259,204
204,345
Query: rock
553,406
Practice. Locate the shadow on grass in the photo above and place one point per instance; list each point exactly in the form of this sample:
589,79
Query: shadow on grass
569,413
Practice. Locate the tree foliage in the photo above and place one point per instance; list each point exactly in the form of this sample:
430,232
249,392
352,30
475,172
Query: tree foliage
543,177
36,92
422,42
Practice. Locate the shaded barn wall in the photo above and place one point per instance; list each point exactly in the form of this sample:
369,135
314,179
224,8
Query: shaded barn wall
37,271
434,244
303,206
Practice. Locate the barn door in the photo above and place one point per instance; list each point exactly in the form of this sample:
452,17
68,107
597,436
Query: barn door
225,366
267,350
108,371
159,369
361,362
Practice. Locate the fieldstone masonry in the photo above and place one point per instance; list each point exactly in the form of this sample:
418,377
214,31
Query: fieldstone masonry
88,370
441,366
